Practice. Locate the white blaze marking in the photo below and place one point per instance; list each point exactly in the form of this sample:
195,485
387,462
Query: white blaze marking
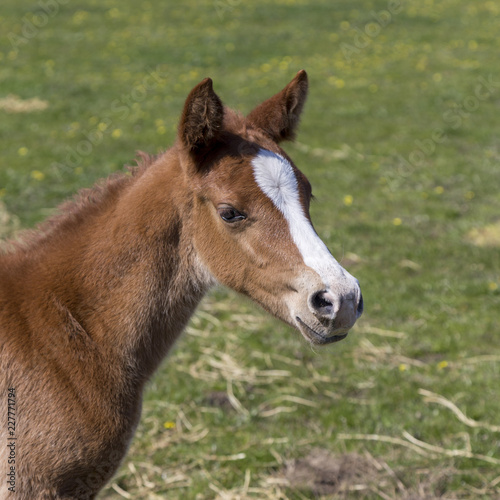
275,176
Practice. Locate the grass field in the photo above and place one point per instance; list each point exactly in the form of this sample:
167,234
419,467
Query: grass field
400,140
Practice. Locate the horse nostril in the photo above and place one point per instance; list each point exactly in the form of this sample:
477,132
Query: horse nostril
321,303
359,312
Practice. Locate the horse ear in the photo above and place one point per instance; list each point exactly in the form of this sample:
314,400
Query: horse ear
279,116
202,117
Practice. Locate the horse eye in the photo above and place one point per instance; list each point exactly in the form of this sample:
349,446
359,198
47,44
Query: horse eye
230,214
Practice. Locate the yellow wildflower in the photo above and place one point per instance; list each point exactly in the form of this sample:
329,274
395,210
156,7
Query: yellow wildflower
37,175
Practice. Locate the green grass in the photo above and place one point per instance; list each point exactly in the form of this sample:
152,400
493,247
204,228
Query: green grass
243,396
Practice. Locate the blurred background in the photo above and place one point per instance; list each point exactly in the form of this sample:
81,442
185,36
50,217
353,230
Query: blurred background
400,140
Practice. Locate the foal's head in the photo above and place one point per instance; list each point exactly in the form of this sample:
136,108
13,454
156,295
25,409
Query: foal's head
249,212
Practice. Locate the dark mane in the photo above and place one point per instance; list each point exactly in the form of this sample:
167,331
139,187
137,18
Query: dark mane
86,202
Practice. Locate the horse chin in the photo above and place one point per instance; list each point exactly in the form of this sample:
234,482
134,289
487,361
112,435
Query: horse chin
318,335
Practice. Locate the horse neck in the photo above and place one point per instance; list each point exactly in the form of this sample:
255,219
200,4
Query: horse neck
128,275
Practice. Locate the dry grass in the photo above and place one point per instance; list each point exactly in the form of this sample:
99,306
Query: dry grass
487,236
15,104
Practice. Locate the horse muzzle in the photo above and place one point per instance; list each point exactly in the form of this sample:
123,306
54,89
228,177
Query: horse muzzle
329,316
